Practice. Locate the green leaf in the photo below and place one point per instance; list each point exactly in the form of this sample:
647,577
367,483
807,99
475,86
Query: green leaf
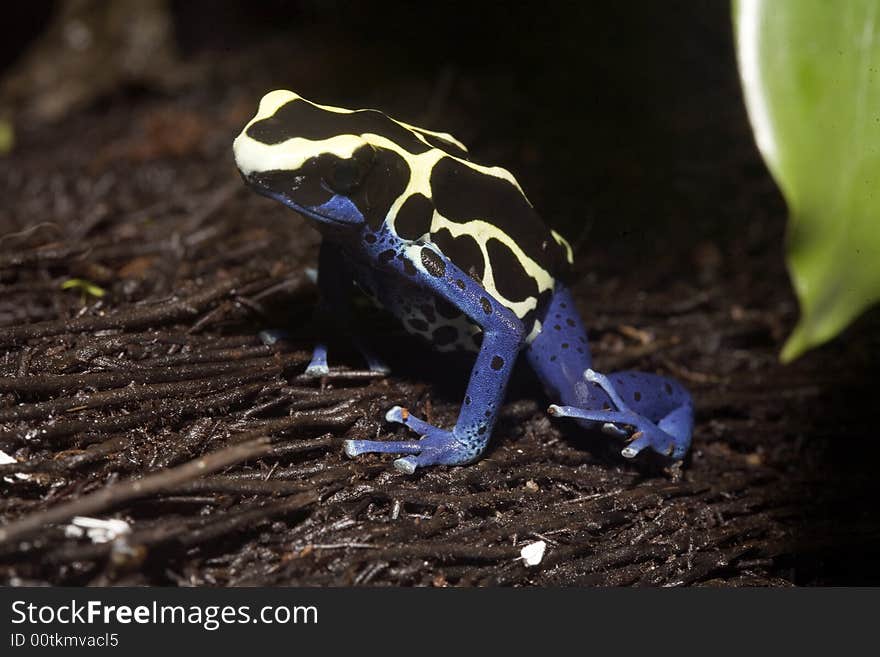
86,287
7,137
811,76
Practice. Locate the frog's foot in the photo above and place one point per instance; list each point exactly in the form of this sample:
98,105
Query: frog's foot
318,365
375,363
663,437
271,336
436,447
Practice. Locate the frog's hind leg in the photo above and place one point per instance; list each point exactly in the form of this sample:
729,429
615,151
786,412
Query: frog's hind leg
661,411
651,410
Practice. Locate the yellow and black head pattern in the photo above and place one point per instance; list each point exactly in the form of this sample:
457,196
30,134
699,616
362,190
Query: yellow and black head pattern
361,167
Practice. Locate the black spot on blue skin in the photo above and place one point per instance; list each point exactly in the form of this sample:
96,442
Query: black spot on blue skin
487,306
467,400
386,256
370,238
433,263
461,194
497,363
409,267
565,345
459,283
582,339
418,324
569,321
446,309
488,413
637,395
463,251
444,335
413,219
557,327
668,388
511,279
552,359
481,430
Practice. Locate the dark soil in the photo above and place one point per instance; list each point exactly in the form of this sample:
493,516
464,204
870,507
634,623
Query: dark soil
158,403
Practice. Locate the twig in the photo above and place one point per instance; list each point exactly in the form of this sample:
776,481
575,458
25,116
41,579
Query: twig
116,494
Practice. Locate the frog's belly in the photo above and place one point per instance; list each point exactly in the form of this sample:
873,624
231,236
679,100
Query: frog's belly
422,313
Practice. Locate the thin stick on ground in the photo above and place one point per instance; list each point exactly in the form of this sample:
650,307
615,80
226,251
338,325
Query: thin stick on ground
115,494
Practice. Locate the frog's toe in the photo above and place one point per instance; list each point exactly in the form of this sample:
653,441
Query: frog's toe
436,447
402,416
355,448
644,432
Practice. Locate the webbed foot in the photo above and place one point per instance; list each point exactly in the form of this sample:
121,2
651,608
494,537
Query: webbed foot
436,447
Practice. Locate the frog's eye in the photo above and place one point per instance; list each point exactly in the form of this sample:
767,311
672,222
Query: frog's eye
344,177
346,174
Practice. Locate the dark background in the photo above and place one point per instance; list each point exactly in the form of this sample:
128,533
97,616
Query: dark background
608,97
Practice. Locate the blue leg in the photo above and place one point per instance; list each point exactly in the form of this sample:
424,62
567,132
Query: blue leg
502,340
334,285
651,410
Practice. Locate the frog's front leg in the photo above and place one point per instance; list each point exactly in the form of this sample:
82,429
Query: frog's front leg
334,308
503,337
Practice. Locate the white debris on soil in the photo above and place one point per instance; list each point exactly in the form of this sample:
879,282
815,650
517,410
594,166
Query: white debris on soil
99,531
4,459
533,553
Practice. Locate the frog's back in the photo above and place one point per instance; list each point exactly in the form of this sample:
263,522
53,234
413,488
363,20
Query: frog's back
480,219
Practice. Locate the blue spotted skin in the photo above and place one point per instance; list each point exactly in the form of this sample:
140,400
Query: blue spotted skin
456,252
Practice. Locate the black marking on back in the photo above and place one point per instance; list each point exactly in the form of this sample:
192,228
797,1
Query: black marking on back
538,311
511,279
463,251
443,145
414,217
299,118
462,194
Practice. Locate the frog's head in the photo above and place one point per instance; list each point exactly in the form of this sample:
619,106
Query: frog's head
318,161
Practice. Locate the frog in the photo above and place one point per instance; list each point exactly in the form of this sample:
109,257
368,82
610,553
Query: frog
457,252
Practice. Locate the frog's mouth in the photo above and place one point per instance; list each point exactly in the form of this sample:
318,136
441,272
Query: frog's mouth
306,196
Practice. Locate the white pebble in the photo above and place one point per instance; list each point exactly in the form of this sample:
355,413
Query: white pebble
533,553
99,531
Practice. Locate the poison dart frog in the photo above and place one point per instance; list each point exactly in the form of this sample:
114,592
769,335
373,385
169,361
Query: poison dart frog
456,251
